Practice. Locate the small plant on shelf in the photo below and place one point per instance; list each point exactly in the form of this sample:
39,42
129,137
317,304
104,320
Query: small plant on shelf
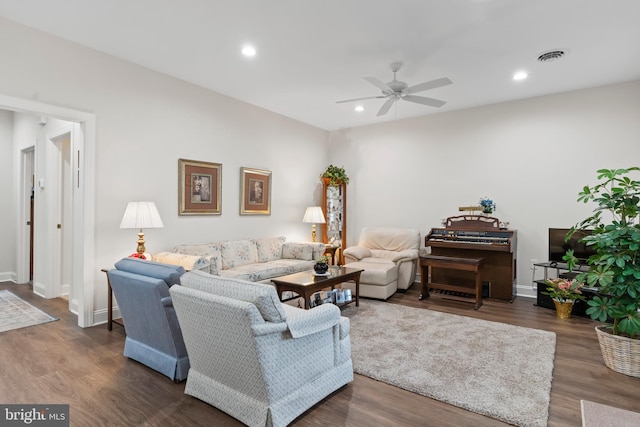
335,175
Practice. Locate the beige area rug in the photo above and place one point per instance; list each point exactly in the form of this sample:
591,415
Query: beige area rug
17,313
490,368
599,415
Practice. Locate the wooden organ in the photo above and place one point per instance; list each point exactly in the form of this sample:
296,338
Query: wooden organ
476,236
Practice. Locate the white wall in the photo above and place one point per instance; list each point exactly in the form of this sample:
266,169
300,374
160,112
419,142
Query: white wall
532,157
7,212
145,121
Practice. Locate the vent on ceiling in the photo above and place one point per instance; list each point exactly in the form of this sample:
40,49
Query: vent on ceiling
551,55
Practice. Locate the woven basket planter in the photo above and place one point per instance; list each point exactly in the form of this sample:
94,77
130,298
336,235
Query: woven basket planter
621,354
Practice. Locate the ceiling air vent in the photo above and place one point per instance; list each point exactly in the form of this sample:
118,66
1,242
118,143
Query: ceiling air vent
551,55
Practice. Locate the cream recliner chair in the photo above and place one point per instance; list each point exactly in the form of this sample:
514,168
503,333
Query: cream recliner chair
388,257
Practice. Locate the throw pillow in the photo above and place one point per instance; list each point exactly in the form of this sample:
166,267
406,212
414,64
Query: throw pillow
270,248
238,252
301,251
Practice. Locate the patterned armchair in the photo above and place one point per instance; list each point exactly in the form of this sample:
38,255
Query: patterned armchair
153,333
260,361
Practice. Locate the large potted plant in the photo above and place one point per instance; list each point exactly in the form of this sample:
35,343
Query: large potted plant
615,267
334,175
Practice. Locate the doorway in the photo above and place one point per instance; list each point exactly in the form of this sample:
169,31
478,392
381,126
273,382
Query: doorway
78,204
27,187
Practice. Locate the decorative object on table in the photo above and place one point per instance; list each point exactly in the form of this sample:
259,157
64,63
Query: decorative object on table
313,215
137,255
615,266
334,175
488,205
199,188
322,265
564,292
255,192
141,215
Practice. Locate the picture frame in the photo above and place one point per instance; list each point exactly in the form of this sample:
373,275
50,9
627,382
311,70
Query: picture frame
199,187
255,191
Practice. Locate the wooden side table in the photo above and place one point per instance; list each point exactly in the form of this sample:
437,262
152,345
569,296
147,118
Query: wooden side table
110,319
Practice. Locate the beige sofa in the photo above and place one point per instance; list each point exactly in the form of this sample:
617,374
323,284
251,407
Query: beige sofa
255,260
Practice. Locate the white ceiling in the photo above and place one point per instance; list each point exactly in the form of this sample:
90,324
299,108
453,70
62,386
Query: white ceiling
312,53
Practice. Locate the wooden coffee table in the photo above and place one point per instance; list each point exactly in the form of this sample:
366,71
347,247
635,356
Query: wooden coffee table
306,283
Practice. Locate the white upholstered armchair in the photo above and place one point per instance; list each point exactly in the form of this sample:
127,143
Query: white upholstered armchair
260,361
389,258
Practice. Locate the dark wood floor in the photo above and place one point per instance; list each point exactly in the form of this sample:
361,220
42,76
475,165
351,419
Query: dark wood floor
59,362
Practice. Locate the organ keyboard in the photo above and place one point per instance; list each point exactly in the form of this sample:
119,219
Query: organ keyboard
477,236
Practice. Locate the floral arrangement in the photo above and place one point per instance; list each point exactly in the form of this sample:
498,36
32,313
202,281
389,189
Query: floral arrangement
323,259
488,205
137,255
564,290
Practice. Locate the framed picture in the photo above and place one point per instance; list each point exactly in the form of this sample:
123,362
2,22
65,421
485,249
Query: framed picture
255,192
199,187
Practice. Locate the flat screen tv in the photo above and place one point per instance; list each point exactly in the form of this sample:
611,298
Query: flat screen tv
558,246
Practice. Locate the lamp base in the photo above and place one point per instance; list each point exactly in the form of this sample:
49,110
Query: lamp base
141,249
313,232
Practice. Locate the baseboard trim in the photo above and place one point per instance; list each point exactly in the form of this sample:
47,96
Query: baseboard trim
8,276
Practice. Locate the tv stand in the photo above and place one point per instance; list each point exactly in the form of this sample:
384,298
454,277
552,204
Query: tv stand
561,270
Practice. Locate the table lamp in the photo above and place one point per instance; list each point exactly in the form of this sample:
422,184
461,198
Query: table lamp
141,215
313,215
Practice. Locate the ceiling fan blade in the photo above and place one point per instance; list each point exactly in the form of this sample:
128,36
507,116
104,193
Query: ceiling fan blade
383,86
424,100
385,107
360,99
427,85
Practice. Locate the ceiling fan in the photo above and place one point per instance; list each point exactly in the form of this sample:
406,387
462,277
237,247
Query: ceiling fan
396,90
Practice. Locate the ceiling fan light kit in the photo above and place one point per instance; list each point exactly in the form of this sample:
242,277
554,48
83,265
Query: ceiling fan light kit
396,90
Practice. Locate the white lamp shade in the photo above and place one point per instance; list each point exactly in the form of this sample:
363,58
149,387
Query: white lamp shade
314,215
141,215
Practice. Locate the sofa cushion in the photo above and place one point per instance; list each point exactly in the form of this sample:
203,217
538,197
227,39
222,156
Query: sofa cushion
188,262
377,271
169,273
270,249
238,252
210,251
389,238
263,296
303,251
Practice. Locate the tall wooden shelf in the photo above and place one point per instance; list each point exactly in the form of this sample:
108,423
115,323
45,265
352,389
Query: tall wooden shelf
334,208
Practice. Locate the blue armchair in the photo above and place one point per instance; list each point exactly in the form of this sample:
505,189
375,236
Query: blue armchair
154,337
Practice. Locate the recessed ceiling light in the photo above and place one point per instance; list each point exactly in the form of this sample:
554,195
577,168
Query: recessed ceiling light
359,108
520,75
248,51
